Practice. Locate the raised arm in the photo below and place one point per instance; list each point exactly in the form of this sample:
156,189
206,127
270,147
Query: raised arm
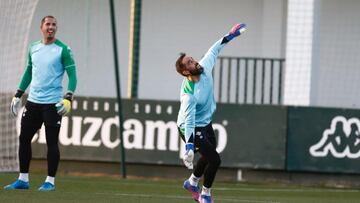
208,61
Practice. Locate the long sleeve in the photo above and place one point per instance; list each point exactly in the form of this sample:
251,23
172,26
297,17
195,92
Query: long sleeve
27,75
209,59
188,104
71,72
69,65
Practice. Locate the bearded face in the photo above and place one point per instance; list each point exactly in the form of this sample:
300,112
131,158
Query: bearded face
192,66
197,70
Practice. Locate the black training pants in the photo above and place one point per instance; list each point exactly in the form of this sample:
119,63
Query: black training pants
209,162
33,117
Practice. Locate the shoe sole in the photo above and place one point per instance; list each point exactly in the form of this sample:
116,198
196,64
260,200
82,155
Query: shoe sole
46,190
212,201
195,195
16,188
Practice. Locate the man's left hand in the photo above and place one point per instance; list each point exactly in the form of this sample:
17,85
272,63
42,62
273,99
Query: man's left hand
63,107
235,31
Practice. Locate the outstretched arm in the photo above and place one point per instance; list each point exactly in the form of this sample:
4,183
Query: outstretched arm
208,61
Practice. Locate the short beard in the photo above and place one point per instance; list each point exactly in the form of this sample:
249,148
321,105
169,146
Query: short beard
199,69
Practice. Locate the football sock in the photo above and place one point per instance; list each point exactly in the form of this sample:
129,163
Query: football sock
194,180
206,191
24,177
50,179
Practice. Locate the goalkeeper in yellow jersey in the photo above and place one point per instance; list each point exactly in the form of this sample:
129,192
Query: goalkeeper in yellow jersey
48,60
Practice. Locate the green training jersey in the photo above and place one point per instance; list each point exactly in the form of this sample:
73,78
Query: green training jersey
197,99
47,63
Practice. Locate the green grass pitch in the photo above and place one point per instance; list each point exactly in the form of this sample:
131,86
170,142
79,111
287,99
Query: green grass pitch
115,189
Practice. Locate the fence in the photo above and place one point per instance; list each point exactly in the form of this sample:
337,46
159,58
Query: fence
247,80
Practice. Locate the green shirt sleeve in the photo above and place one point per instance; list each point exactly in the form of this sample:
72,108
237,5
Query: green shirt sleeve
27,75
69,65
67,58
71,72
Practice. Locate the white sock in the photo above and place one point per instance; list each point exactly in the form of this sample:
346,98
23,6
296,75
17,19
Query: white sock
24,177
206,191
194,180
50,179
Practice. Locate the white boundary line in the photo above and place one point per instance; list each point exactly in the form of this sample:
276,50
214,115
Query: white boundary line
243,188
314,190
182,197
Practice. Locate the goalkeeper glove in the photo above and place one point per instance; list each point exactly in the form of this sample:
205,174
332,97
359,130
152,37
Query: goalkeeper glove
189,155
64,106
16,103
235,31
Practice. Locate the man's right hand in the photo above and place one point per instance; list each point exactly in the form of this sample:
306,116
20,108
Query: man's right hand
189,155
15,106
16,102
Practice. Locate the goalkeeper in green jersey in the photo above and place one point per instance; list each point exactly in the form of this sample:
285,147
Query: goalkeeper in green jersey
195,116
48,60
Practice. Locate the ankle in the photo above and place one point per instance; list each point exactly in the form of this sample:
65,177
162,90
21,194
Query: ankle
206,191
24,177
50,179
194,180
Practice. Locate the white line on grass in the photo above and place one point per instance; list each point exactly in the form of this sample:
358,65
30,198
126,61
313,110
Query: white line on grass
182,197
286,190
249,189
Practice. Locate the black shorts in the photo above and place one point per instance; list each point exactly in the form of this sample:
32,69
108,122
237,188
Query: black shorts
204,137
36,114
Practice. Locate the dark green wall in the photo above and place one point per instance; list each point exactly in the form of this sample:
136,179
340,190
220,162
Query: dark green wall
323,140
249,136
